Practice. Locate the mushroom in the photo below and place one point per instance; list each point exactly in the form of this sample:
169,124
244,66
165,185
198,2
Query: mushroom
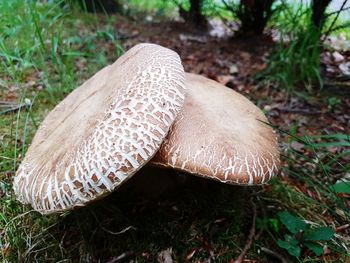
103,132
221,135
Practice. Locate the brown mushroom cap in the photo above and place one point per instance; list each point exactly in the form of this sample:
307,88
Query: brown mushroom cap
221,135
103,132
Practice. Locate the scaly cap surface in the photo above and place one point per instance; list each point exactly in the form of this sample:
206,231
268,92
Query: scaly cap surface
103,132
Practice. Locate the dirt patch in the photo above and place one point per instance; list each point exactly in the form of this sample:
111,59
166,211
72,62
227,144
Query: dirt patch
234,62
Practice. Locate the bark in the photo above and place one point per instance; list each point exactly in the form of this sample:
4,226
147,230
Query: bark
194,16
318,12
254,15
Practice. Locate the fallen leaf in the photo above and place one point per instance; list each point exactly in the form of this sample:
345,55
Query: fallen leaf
233,69
297,146
190,254
186,38
165,256
245,55
337,57
345,68
224,79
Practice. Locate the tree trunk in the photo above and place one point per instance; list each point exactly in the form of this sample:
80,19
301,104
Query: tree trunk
254,15
194,16
318,12
195,13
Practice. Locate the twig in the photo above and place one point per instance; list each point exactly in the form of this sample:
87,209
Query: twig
288,109
4,103
335,19
120,257
10,106
250,237
275,254
342,228
229,7
121,36
108,231
338,11
301,111
339,27
15,108
120,232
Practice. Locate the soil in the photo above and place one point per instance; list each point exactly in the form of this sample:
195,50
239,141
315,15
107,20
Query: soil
234,62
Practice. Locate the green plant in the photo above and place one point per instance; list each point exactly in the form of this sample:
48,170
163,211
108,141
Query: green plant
45,39
46,49
342,187
156,7
295,61
333,102
196,220
315,187
302,235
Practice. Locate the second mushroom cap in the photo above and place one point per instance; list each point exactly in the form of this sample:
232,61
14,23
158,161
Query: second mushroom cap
221,135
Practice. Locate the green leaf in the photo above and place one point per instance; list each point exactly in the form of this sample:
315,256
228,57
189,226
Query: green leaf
291,240
321,233
339,139
293,249
274,224
342,187
329,144
293,224
74,54
340,136
314,247
54,48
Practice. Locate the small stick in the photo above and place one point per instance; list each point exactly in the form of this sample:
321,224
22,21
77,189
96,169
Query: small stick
120,232
10,106
15,108
342,228
250,237
120,257
335,19
336,12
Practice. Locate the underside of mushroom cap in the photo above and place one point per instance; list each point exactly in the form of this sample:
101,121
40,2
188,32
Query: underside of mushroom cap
103,132
221,135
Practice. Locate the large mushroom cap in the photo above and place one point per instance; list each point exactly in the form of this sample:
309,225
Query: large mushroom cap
221,135
103,132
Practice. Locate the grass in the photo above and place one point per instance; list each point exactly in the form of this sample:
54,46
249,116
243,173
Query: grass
35,41
295,63
162,8
157,7
48,49
45,51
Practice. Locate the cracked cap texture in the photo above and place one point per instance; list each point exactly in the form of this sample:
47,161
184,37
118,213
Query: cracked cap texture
103,132
221,135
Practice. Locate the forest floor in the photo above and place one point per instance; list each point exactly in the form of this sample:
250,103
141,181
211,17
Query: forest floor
195,220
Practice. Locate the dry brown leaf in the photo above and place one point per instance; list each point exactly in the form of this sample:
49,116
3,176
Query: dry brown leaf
165,256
